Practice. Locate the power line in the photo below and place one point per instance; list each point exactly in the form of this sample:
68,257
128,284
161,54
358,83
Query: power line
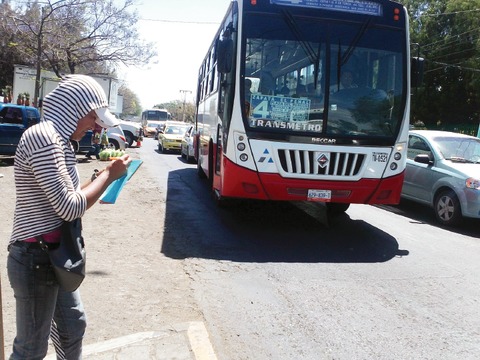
181,21
444,65
451,13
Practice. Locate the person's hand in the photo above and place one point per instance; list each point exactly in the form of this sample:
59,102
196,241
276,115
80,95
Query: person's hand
118,167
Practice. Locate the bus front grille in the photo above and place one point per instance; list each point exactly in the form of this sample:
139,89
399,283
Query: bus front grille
321,163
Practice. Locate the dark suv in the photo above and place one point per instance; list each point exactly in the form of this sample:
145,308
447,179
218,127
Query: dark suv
14,120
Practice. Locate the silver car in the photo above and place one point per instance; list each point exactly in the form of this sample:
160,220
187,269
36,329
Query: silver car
186,148
443,171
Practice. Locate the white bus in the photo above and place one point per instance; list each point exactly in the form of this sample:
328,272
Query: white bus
155,115
297,132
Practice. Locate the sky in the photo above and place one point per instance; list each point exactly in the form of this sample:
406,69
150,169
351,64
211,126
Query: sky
182,31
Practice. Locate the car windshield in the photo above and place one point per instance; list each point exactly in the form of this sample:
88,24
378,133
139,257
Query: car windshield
459,149
176,130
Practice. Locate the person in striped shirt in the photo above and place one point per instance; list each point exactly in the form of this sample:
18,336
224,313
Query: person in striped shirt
48,192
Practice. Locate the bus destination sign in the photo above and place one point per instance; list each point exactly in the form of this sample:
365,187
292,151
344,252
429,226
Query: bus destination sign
353,6
280,112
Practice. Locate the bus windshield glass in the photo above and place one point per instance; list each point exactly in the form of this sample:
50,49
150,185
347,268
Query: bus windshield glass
312,76
156,115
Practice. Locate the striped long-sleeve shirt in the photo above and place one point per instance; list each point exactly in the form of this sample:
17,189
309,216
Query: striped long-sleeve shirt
46,177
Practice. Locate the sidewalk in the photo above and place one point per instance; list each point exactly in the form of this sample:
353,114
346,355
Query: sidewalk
185,341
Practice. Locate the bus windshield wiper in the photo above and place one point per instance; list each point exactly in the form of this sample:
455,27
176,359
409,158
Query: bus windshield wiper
306,46
353,44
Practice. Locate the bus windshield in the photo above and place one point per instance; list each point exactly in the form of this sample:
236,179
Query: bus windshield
156,115
313,76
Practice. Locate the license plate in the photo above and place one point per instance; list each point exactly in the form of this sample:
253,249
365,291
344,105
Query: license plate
319,195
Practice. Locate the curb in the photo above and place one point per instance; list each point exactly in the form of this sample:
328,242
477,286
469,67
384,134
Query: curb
183,341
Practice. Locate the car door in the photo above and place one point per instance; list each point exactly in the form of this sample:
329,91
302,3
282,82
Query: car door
419,177
11,129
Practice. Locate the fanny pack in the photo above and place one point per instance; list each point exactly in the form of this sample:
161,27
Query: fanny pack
69,257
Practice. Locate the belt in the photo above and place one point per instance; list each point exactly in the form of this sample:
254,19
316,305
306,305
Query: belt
32,245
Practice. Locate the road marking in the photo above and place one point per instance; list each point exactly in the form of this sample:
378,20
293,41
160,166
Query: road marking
200,341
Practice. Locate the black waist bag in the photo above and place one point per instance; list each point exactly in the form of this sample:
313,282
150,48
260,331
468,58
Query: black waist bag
69,257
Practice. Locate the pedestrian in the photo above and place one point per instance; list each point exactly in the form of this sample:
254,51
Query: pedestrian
95,149
104,143
48,192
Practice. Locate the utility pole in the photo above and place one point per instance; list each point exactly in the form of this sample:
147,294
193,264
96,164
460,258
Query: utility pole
184,92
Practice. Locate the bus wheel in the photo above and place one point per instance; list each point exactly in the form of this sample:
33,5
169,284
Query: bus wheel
335,209
220,201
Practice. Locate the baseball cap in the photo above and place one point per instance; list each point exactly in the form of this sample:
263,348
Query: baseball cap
105,118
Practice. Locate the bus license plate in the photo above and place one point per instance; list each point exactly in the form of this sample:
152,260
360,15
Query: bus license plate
319,195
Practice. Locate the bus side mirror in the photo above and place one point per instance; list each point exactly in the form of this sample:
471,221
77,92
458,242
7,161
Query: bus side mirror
224,55
416,71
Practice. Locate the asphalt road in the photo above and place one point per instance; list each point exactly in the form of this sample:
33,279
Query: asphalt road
281,281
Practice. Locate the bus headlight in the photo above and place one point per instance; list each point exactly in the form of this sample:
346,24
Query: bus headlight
241,146
243,157
397,156
393,166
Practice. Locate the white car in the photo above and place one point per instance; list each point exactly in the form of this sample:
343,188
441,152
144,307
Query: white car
133,131
116,138
186,147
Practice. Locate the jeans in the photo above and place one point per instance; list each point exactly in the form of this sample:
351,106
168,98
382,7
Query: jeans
39,299
94,150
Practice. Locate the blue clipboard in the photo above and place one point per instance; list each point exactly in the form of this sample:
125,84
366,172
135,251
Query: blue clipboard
111,193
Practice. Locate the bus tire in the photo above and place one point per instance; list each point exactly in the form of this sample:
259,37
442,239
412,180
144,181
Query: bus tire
200,172
335,209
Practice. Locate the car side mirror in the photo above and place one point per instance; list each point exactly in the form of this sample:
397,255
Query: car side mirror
423,159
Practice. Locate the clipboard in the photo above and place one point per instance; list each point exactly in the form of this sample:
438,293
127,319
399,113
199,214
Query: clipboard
112,192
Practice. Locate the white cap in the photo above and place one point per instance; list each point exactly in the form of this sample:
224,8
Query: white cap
105,118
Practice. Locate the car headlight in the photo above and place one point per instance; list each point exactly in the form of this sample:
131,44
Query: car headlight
472,183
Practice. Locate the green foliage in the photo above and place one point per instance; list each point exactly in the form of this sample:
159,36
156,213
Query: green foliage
177,109
90,36
448,36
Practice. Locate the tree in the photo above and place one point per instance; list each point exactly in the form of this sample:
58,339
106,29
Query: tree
448,35
81,34
176,109
9,52
131,104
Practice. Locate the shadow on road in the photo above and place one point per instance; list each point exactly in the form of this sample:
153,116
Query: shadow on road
423,214
264,231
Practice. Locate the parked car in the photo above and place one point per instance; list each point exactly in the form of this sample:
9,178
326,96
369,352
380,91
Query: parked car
133,131
14,120
170,139
443,172
116,139
186,147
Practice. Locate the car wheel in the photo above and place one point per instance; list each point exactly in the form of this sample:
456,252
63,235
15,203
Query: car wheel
159,147
182,153
447,208
129,138
113,143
